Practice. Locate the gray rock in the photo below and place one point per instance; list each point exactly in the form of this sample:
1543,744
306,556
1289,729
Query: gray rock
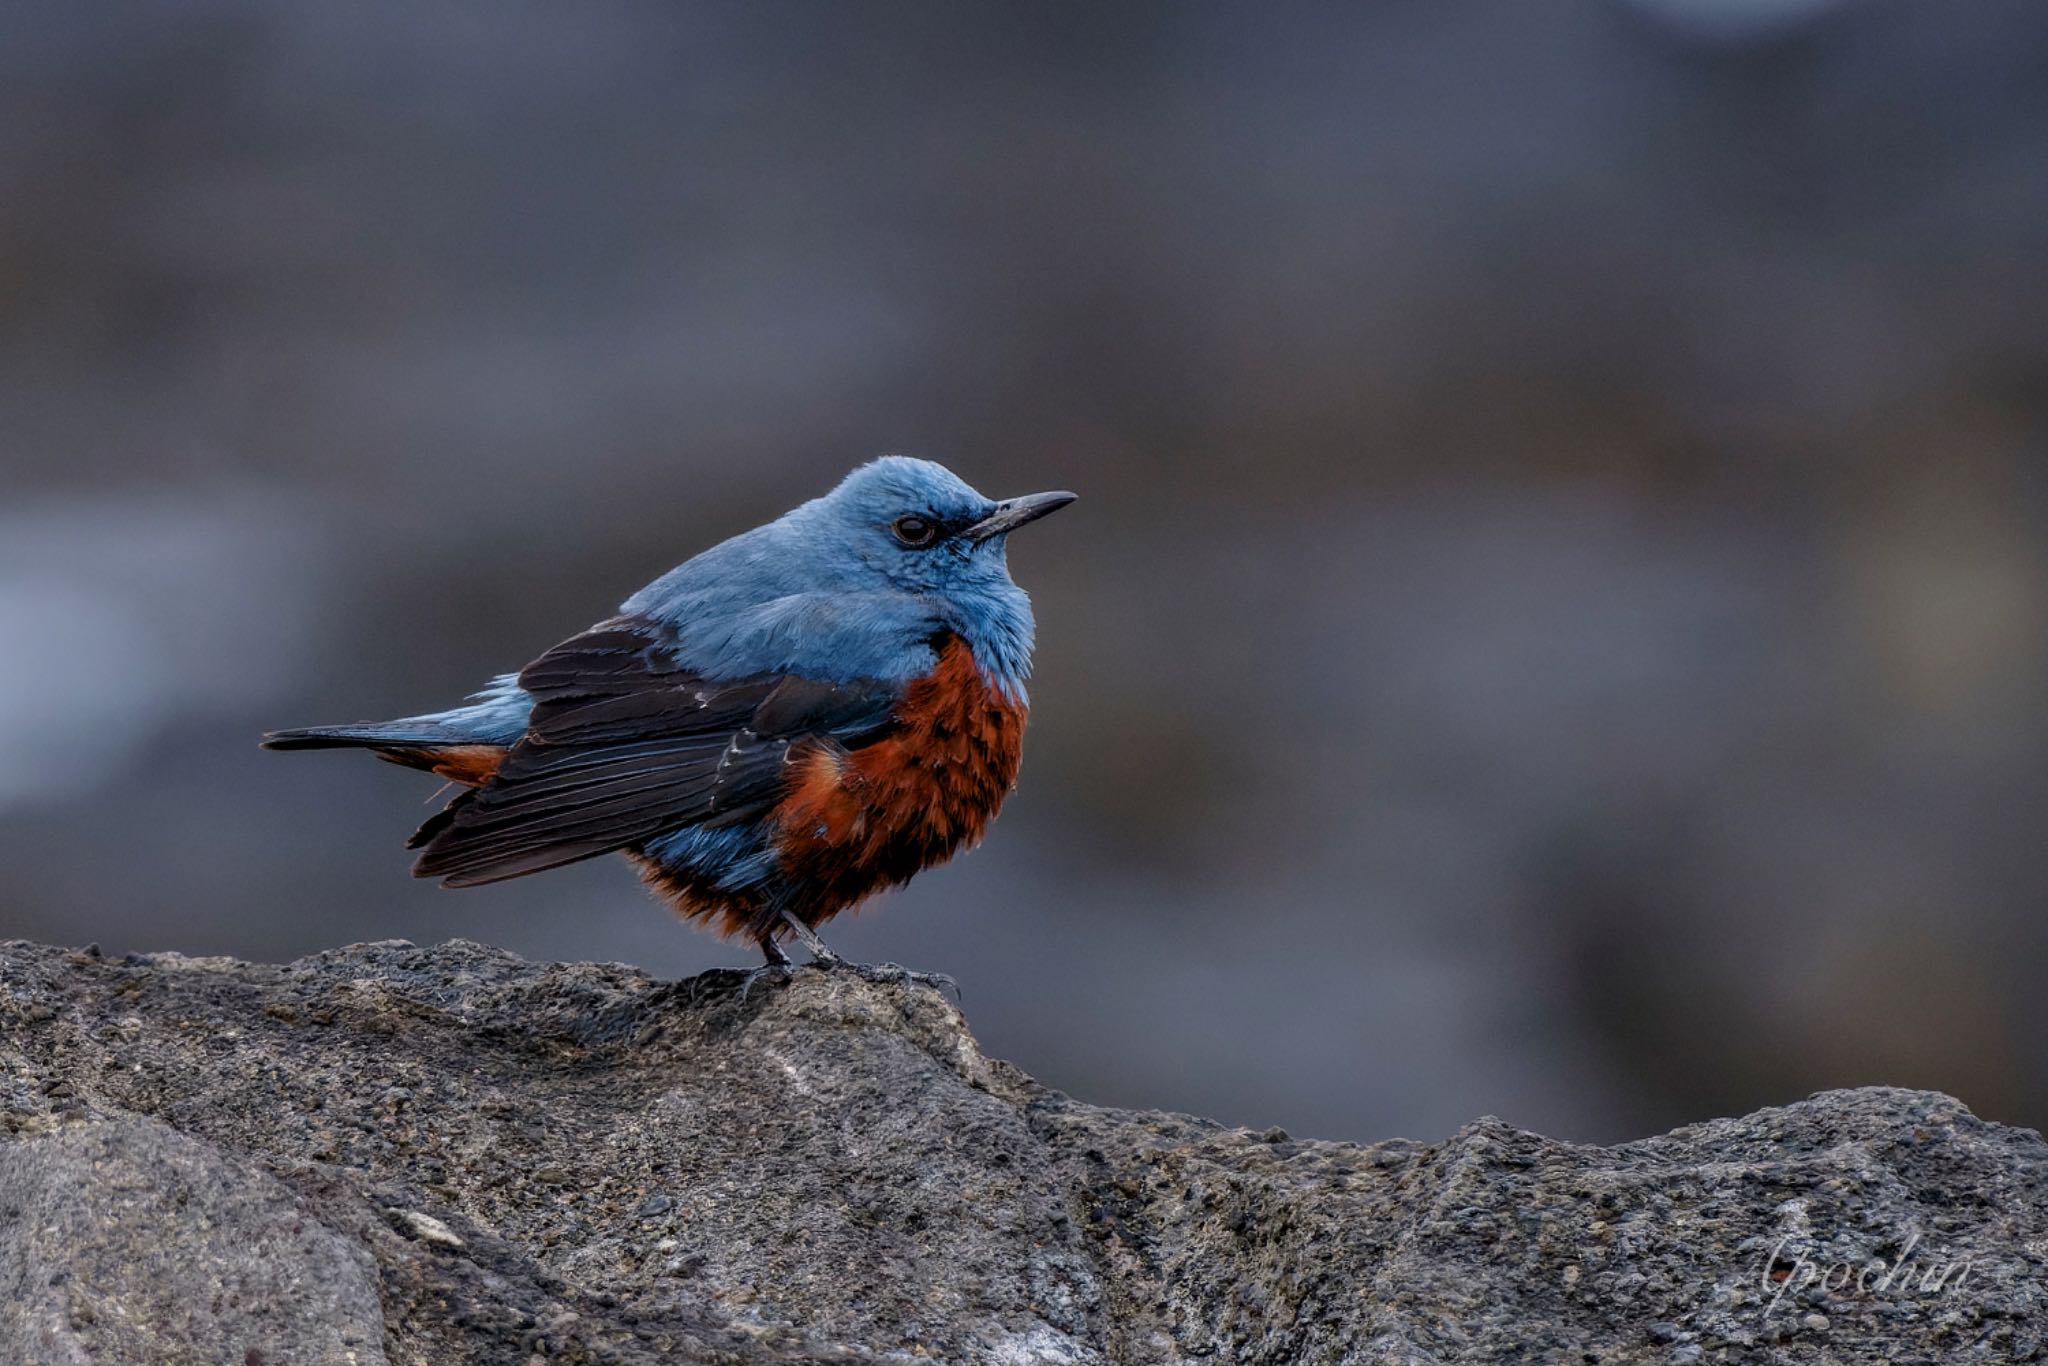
450,1155
128,1241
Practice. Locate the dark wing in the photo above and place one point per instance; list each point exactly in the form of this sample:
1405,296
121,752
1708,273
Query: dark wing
623,745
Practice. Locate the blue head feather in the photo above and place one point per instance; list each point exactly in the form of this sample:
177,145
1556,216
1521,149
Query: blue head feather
831,591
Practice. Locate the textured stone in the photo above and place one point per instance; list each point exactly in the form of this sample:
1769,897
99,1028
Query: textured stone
127,1241
450,1155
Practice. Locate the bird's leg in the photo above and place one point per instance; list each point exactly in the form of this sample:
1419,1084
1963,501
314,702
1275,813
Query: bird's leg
808,937
778,965
874,972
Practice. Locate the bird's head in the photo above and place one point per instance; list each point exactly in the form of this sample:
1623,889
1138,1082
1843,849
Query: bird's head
920,528
851,585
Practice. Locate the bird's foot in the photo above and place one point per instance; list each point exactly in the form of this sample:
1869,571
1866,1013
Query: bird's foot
777,972
894,974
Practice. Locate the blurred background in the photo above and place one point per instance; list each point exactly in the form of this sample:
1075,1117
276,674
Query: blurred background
1554,626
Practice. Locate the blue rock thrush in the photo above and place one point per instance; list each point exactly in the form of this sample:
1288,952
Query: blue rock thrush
773,731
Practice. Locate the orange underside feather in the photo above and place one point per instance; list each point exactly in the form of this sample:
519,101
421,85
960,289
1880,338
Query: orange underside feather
857,821
470,765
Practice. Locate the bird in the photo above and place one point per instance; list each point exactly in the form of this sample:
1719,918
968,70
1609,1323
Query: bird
772,732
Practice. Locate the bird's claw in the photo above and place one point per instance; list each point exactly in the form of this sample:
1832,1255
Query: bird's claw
823,957
938,981
781,972
893,973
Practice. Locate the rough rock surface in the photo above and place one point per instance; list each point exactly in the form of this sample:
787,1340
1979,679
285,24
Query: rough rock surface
396,1154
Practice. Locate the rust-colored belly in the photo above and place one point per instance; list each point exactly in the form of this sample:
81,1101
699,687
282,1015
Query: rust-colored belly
856,821
853,822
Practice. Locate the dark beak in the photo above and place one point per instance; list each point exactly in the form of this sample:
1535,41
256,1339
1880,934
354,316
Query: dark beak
1012,513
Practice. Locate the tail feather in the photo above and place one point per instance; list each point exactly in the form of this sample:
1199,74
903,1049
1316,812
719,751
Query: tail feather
455,754
399,734
495,717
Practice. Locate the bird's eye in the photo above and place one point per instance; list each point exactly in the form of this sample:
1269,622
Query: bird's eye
914,531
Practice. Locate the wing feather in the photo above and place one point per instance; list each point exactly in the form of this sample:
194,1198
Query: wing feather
624,744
